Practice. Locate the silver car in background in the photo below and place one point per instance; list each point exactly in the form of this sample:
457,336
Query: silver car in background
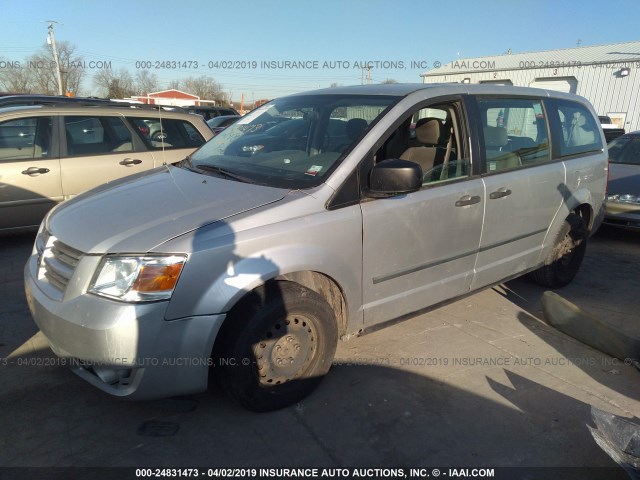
623,189
315,217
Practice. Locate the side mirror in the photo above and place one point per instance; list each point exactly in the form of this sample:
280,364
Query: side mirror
394,177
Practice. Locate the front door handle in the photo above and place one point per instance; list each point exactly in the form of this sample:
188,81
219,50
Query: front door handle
501,192
34,171
467,200
127,162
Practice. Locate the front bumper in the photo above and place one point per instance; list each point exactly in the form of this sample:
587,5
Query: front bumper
626,215
127,350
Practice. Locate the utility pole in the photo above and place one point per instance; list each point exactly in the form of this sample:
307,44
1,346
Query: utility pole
365,76
51,40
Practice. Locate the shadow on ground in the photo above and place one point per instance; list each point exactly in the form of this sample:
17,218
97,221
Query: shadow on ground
606,286
15,326
360,416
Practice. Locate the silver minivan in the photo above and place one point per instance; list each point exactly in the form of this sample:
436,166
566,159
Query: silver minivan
316,216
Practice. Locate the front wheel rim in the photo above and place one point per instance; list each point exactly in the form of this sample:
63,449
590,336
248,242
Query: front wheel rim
286,350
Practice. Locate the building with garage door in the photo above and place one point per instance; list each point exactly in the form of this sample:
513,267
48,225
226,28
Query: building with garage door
607,75
172,97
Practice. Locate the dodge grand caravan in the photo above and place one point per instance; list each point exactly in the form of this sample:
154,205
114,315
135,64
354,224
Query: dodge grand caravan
245,264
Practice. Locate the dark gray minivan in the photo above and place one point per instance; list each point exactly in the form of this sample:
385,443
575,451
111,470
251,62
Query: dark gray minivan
314,217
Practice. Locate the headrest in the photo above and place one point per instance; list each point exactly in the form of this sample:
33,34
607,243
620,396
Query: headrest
428,130
355,127
495,137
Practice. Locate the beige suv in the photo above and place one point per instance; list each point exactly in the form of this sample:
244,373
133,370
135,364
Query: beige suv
51,153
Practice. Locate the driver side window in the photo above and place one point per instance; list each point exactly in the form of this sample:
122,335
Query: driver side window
430,137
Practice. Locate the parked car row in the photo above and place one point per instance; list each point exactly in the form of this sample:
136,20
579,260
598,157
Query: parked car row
611,131
209,112
218,124
53,152
54,147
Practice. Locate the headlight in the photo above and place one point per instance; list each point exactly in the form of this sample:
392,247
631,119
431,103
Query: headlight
137,279
42,240
623,198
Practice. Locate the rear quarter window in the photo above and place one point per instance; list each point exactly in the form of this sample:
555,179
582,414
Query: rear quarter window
579,130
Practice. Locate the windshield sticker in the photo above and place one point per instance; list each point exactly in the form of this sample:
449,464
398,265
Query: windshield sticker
313,170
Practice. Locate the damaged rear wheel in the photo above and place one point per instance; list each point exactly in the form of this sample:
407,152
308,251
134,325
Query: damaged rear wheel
564,259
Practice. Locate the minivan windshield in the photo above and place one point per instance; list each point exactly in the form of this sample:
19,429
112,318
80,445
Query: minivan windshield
291,142
625,149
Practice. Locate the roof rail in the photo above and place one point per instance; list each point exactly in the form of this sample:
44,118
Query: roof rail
33,100
140,106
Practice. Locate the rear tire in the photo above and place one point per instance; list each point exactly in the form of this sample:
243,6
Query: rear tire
564,259
275,346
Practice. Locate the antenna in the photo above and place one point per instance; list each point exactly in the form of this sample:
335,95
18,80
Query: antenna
162,137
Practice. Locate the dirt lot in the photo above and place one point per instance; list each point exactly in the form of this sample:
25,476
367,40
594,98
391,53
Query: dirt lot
483,382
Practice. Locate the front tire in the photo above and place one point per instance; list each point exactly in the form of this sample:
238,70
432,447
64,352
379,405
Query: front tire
275,346
564,259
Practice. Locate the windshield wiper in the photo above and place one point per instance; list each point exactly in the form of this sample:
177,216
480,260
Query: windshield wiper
186,160
222,171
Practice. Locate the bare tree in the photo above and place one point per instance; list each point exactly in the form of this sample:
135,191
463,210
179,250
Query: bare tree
15,79
103,79
146,82
114,84
37,74
42,70
174,85
42,74
204,87
72,66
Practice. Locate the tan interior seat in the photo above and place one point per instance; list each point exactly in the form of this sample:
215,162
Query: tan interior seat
498,155
123,147
429,154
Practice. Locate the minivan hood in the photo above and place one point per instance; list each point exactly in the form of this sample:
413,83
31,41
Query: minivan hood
624,179
137,214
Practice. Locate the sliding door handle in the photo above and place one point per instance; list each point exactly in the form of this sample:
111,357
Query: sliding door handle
468,200
501,192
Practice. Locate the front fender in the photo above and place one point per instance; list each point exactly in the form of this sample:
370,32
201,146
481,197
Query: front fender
222,270
249,273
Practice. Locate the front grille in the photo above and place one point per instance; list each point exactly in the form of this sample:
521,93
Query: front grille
59,263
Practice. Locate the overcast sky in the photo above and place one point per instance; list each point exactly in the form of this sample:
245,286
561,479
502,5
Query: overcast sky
330,40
